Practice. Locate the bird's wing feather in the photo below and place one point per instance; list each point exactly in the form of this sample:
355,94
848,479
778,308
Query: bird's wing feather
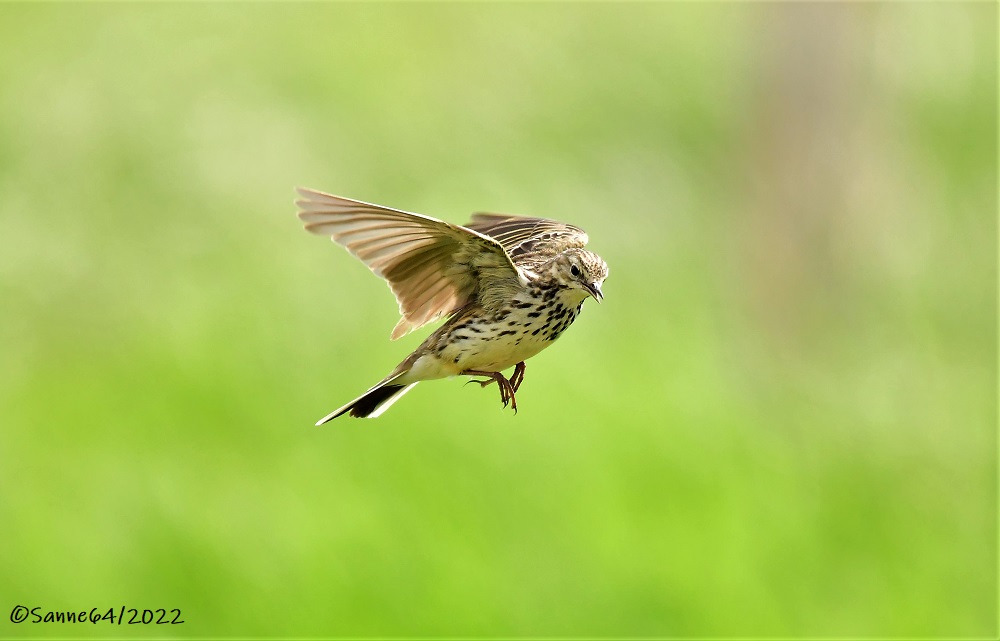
432,267
521,235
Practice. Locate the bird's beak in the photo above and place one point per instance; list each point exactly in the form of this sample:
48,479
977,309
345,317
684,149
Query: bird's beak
595,290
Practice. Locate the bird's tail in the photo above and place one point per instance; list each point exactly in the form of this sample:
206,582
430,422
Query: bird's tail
373,402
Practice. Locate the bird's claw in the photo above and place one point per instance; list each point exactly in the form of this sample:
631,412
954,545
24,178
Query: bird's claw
506,388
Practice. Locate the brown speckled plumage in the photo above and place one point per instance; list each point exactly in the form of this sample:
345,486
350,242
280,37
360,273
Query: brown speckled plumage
508,285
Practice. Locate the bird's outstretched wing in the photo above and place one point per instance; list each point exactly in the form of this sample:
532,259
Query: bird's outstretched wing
433,267
521,236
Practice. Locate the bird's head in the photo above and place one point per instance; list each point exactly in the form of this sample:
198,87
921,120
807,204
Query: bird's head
582,270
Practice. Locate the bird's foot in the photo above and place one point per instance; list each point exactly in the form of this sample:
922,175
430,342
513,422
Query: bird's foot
515,379
506,389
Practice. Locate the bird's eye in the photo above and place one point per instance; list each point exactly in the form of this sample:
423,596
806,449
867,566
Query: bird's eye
575,270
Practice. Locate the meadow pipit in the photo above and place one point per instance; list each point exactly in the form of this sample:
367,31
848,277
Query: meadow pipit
509,285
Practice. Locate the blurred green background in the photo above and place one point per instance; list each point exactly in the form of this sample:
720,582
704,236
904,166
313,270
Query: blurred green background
781,422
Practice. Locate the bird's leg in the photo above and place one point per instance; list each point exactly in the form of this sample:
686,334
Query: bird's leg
517,376
489,381
506,391
496,377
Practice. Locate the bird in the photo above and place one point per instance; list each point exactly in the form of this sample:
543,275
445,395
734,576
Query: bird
507,285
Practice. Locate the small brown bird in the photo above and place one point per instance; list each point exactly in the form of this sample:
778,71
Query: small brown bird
509,285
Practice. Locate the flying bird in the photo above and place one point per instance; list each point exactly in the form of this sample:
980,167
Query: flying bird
508,285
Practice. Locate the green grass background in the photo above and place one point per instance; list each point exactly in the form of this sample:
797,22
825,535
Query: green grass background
781,422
